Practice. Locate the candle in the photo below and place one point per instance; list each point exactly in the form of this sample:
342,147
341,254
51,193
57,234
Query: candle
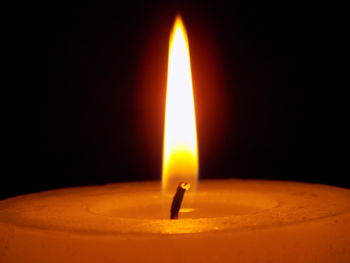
220,220
232,221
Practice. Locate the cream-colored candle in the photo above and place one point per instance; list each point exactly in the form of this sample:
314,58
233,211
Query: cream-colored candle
232,221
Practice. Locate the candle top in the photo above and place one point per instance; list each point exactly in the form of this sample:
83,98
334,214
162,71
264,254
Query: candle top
130,208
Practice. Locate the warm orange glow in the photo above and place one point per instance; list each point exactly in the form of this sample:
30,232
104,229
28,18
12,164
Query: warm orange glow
180,154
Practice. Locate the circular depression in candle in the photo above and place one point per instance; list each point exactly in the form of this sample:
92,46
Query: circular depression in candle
210,204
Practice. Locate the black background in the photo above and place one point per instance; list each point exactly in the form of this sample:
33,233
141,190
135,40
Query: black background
262,109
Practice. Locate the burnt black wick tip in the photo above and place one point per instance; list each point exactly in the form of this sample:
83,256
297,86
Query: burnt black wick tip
177,200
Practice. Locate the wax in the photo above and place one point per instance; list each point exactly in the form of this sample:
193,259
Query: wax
232,221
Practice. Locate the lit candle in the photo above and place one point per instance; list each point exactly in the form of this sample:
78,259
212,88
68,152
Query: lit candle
225,221
234,221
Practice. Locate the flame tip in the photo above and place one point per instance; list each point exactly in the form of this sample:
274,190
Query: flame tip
178,16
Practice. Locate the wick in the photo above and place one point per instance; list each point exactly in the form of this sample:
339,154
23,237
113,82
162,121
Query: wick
177,200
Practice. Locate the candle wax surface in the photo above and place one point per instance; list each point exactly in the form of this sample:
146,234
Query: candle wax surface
229,220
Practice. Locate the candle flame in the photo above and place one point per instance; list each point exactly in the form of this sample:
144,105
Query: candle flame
180,153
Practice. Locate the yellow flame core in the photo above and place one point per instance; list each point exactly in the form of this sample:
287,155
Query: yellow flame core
180,154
